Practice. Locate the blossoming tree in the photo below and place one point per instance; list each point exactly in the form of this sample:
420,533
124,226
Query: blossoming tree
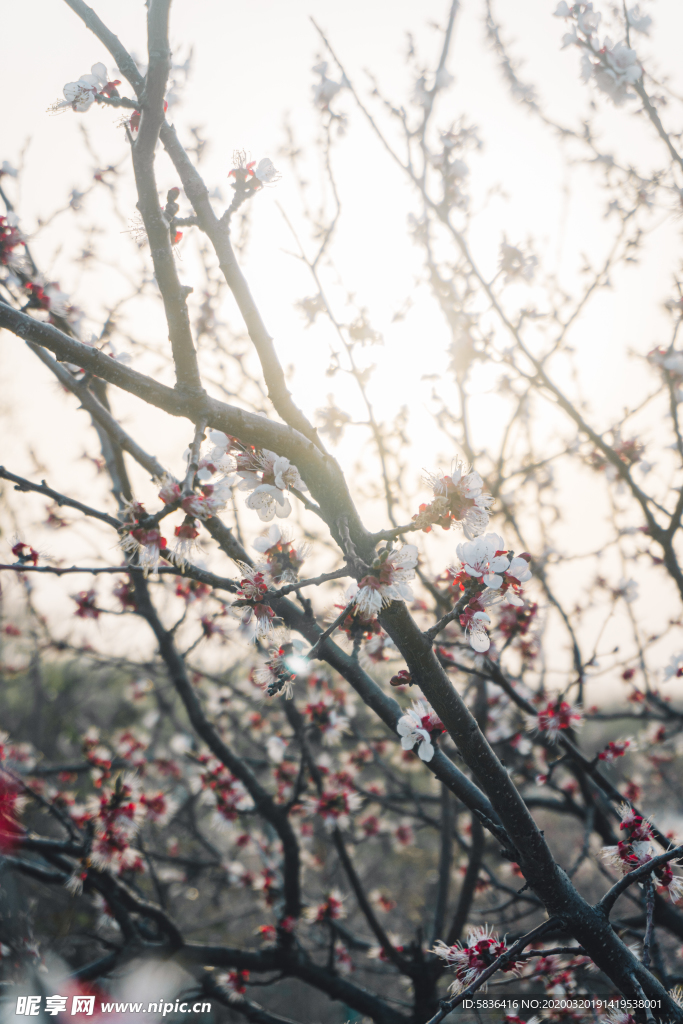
337,779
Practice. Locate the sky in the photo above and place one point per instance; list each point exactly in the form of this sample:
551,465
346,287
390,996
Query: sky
252,67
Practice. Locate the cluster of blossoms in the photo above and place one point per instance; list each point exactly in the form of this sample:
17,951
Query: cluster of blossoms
186,548
281,556
488,572
146,544
277,675
515,622
40,294
254,586
234,983
471,959
250,176
459,499
330,723
392,571
10,239
214,498
334,806
557,716
268,476
331,909
617,748
422,725
635,849
81,95
356,624
12,803
612,66
115,817
557,974
222,791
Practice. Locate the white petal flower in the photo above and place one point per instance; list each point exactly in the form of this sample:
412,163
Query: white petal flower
250,479
81,94
266,172
369,600
389,581
492,580
273,537
519,568
415,727
479,559
479,640
286,475
276,747
639,22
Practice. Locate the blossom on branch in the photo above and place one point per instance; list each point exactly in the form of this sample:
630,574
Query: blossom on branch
87,608
81,95
475,620
459,499
269,477
251,176
277,675
334,806
283,559
556,717
612,66
328,720
331,909
254,586
25,553
186,548
617,748
10,238
147,544
213,499
635,849
470,960
420,724
392,571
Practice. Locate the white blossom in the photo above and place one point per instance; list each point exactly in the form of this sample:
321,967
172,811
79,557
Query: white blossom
266,171
80,95
416,727
619,70
389,581
479,639
480,558
268,498
638,21
274,536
